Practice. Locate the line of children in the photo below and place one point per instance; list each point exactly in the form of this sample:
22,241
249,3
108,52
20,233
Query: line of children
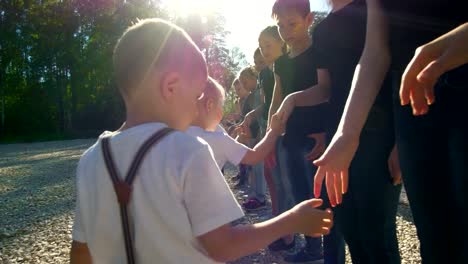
180,207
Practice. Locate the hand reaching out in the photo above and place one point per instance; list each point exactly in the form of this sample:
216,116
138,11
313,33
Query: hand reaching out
311,221
333,167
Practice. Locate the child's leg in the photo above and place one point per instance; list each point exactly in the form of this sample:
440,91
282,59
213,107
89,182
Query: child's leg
271,190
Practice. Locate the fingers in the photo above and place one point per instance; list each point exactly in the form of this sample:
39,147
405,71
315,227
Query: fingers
344,181
409,81
329,183
338,188
318,180
316,202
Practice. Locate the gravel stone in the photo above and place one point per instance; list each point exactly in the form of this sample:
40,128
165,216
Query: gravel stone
37,197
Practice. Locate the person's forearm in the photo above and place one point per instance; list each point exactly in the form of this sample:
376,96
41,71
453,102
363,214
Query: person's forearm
369,74
240,237
262,149
311,96
257,112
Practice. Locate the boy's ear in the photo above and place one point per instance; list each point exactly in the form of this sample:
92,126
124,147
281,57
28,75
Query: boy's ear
170,83
209,104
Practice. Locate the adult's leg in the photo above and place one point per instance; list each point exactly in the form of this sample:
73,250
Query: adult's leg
369,208
424,160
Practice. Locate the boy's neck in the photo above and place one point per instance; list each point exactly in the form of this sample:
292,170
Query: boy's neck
138,116
200,123
300,46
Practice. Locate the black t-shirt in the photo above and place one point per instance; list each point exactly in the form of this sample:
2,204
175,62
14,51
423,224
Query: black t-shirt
266,82
298,74
416,22
341,38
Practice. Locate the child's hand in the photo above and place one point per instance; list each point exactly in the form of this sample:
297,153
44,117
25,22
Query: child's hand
319,147
394,166
311,221
286,108
277,124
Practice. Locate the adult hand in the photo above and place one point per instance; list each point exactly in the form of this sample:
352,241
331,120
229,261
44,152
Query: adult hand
319,146
333,166
428,64
394,166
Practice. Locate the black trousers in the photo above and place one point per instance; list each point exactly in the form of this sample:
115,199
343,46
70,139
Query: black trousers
433,153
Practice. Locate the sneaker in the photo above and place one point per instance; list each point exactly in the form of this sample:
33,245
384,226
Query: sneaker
303,256
253,204
280,245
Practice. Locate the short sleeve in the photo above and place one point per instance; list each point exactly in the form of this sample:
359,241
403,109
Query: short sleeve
233,150
78,231
209,201
320,58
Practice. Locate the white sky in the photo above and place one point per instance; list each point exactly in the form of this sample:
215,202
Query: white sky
244,18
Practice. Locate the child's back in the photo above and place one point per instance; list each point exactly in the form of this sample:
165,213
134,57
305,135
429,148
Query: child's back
166,201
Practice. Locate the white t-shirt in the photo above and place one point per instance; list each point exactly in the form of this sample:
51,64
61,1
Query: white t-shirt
169,206
224,147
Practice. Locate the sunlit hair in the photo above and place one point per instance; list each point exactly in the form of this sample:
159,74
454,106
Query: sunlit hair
249,72
214,90
154,45
235,82
300,6
272,31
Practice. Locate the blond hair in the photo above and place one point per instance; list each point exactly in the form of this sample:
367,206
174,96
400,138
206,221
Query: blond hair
214,90
154,44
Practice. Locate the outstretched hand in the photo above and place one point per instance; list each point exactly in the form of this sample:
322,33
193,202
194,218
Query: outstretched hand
311,221
333,167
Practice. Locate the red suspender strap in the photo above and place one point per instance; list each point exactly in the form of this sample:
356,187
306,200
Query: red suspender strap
123,189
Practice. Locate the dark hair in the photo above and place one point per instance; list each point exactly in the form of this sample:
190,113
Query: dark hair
257,52
300,6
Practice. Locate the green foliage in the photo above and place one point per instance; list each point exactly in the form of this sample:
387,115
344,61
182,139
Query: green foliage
56,78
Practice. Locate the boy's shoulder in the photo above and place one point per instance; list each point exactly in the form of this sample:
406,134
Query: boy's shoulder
133,138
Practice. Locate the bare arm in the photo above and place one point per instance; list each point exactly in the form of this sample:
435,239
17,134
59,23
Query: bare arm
80,253
368,77
262,149
316,94
228,243
370,72
276,99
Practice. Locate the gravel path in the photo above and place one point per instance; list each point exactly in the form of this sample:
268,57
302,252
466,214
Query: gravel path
37,195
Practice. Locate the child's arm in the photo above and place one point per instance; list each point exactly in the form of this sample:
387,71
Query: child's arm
276,99
266,145
80,253
228,243
314,95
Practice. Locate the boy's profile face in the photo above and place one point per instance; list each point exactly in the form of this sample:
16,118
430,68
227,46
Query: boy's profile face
293,26
240,91
248,83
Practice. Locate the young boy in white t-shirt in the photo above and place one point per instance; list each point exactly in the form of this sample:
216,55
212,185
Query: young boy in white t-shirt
161,74
225,148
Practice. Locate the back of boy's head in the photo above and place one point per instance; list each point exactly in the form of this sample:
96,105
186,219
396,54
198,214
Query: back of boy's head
154,45
300,6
